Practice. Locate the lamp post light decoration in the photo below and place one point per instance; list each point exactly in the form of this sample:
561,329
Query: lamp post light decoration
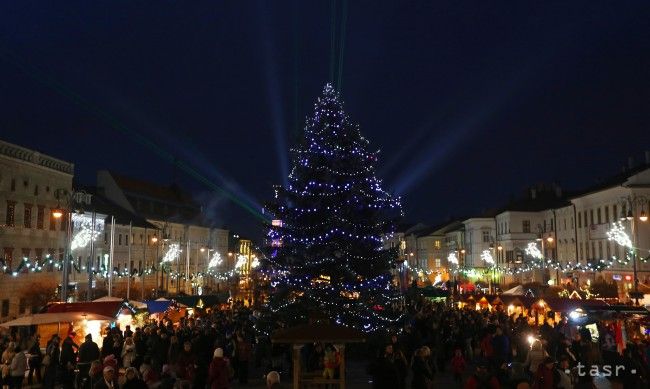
631,206
72,200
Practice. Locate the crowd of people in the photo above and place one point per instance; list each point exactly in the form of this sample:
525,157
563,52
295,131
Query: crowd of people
479,349
212,351
504,352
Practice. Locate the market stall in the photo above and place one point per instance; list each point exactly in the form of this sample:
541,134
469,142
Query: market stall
119,313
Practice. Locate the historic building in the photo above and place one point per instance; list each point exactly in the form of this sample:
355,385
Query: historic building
32,184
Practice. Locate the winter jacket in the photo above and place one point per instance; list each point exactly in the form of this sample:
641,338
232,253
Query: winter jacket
18,365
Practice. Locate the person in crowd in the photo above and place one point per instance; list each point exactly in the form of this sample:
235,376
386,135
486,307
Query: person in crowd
168,378
88,352
108,380
186,363
482,378
546,375
330,361
422,372
35,359
242,356
458,366
51,360
127,332
535,356
68,360
402,366
148,373
128,352
108,344
95,374
220,371
383,371
273,380
563,373
18,368
132,379
7,357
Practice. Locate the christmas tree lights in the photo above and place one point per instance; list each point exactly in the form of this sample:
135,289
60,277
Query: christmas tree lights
326,256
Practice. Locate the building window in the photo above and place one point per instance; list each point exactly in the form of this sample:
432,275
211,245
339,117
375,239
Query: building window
35,190
564,224
13,184
598,215
579,221
10,217
525,226
600,249
607,214
591,217
39,254
609,250
585,217
486,236
552,225
593,250
119,240
27,216
581,251
126,239
437,262
614,214
8,257
5,308
510,256
52,222
40,214
436,244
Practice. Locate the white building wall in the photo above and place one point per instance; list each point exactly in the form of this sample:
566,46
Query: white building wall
479,235
29,179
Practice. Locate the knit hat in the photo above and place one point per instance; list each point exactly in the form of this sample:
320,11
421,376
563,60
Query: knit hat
218,353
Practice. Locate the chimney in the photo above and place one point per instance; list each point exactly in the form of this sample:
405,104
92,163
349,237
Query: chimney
647,157
630,163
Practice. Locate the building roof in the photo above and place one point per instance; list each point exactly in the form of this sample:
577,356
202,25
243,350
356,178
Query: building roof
34,157
611,182
101,204
171,193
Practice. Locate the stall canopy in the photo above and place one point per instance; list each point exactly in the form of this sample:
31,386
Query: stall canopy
136,304
157,306
104,308
568,305
58,317
516,291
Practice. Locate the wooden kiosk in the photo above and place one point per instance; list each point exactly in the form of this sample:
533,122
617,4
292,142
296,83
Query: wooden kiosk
311,333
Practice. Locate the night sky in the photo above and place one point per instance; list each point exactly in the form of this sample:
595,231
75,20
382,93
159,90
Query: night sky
469,102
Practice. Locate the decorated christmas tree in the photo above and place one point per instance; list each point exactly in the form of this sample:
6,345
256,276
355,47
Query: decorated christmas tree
326,253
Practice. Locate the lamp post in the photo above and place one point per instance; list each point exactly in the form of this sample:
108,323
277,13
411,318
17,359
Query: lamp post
71,199
632,205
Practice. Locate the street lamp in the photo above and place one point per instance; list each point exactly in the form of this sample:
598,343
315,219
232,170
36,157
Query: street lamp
70,198
634,202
